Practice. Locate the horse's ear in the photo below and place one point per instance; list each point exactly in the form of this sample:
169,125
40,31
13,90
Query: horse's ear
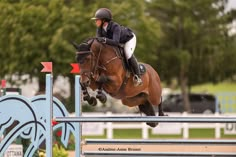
81,47
76,46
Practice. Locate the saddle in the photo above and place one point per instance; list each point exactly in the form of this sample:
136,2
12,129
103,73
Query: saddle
121,53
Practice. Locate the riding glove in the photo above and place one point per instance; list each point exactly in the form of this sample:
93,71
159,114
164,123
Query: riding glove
101,39
107,41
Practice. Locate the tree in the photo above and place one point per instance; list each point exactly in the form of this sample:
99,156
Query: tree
41,30
193,41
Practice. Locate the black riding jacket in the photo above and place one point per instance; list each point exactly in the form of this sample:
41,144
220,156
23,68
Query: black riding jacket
115,34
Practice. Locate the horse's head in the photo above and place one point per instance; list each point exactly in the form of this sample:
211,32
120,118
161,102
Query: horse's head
93,58
87,60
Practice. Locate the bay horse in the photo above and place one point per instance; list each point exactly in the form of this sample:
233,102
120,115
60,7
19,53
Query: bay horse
102,68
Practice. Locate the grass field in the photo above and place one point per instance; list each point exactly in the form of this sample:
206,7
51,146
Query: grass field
136,134
215,88
225,92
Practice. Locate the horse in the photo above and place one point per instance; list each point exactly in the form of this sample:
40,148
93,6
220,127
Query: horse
102,68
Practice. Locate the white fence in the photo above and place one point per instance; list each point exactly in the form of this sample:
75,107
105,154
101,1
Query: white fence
162,128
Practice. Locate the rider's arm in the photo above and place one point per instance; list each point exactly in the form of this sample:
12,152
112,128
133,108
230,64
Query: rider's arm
116,36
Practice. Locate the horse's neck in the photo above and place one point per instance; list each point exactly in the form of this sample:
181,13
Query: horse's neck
108,54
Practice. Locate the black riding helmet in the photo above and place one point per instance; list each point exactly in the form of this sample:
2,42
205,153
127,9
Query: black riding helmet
103,14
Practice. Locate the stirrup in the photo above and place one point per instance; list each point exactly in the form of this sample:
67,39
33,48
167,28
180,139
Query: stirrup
137,81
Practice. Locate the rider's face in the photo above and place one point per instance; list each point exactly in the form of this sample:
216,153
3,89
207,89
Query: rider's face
98,22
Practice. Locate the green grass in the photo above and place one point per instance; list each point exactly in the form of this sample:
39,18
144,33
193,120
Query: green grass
120,133
225,92
202,133
215,88
127,133
137,134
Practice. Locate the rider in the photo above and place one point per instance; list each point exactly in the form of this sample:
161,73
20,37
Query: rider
112,33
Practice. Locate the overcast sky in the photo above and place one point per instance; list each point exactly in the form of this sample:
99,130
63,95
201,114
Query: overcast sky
232,4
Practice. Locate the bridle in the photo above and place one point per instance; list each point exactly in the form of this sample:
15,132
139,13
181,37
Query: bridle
89,73
92,72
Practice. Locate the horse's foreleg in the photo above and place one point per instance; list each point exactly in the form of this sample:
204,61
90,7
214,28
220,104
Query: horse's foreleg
100,95
86,97
91,100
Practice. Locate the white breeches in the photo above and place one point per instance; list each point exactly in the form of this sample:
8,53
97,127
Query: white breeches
129,47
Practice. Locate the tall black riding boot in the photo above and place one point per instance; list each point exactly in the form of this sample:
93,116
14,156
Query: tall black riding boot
134,65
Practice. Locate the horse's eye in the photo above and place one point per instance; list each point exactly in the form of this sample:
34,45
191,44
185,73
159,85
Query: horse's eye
87,59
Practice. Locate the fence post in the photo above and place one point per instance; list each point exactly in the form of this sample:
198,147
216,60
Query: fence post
109,127
185,127
78,129
49,131
217,127
145,133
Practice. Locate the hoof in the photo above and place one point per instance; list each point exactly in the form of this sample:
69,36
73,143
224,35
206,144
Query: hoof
161,114
92,101
102,98
86,98
152,124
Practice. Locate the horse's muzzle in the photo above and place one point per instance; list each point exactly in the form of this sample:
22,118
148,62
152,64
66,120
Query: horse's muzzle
85,79
87,83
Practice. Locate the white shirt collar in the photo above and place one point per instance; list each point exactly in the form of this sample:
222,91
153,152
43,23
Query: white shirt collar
105,27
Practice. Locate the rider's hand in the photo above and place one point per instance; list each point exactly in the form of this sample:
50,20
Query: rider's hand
101,39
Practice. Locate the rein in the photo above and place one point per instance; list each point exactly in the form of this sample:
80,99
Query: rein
103,66
109,61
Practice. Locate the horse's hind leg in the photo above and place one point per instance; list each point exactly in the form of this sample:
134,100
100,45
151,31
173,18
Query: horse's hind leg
148,110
